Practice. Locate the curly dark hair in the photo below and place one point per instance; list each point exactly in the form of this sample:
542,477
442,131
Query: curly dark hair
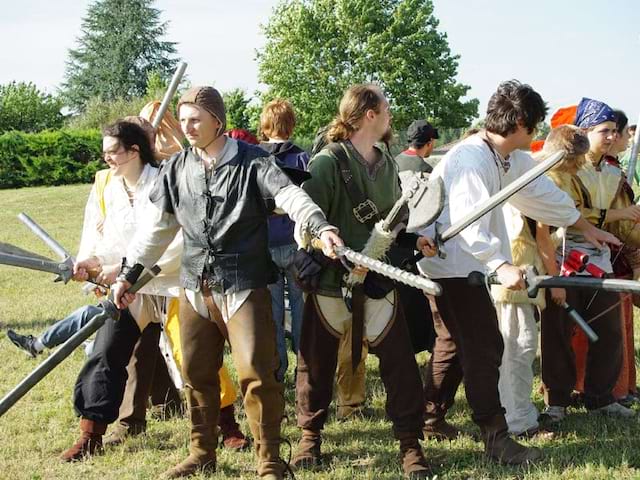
514,102
130,134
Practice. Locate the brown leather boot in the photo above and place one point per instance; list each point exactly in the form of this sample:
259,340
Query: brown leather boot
232,437
270,465
414,465
500,447
308,452
439,430
202,450
89,443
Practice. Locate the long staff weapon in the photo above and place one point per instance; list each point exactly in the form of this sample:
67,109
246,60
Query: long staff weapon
109,310
168,96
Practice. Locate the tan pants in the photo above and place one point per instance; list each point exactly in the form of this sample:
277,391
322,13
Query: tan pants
253,346
350,384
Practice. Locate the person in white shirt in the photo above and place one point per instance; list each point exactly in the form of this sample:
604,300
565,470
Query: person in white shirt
469,344
113,214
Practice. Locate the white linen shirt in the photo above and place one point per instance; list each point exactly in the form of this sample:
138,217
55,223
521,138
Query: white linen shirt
109,238
472,173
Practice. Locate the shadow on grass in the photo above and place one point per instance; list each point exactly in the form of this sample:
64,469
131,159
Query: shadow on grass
25,327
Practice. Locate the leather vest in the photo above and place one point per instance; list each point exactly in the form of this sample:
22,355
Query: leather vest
224,224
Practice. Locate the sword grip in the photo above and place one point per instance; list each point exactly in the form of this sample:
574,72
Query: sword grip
479,279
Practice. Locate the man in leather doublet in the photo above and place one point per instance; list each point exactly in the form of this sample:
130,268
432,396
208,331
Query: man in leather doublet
220,192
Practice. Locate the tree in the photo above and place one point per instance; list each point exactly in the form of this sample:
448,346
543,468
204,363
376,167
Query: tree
24,107
315,49
119,48
236,105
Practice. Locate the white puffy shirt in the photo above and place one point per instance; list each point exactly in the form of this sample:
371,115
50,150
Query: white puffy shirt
110,237
472,173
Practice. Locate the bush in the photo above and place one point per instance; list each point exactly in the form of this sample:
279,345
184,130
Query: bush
49,158
24,107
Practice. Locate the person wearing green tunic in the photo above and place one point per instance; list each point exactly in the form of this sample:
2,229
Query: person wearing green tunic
362,123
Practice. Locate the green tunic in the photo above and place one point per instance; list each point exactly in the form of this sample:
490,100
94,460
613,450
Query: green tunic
378,183
412,163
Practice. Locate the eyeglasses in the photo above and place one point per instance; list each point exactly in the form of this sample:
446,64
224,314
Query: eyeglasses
113,153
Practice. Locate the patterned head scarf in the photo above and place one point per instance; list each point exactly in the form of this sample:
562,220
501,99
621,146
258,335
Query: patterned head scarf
593,112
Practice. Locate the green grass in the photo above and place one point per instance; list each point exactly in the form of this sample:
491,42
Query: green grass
42,424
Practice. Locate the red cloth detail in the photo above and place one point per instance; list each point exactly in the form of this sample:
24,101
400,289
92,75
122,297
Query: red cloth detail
564,116
536,146
244,135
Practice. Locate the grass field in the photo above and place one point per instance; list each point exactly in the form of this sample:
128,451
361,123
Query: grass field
42,424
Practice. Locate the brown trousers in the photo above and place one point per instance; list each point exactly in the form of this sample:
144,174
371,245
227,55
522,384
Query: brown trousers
604,357
317,361
148,377
468,345
252,337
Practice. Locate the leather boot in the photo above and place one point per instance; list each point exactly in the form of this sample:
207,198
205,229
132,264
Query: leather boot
500,447
414,465
308,452
270,465
232,437
89,443
202,450
439,430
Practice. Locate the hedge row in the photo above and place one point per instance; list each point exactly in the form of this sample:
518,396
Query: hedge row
49,158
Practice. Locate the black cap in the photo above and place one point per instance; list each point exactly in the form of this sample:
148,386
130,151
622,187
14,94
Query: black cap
421,132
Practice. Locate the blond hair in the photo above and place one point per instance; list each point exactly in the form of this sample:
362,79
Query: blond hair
277,119
572,140
356,101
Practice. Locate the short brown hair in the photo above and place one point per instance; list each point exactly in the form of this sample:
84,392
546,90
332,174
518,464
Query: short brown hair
277,119
355,103
514,102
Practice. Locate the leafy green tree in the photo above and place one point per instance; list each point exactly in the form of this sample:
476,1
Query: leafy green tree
236,104
315,49
119,48
24,107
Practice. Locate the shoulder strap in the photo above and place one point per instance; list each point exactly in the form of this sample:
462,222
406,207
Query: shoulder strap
364,209
102,179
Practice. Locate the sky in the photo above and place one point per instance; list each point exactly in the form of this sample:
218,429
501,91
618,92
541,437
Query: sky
565,49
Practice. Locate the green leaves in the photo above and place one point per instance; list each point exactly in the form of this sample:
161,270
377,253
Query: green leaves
120,47
315,49
24,107
49,158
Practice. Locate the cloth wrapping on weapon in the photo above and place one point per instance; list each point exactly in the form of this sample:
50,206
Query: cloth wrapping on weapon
376,247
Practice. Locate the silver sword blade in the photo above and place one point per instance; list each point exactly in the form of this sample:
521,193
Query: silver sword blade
45,237
63,270
13,250
390,271
607,284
